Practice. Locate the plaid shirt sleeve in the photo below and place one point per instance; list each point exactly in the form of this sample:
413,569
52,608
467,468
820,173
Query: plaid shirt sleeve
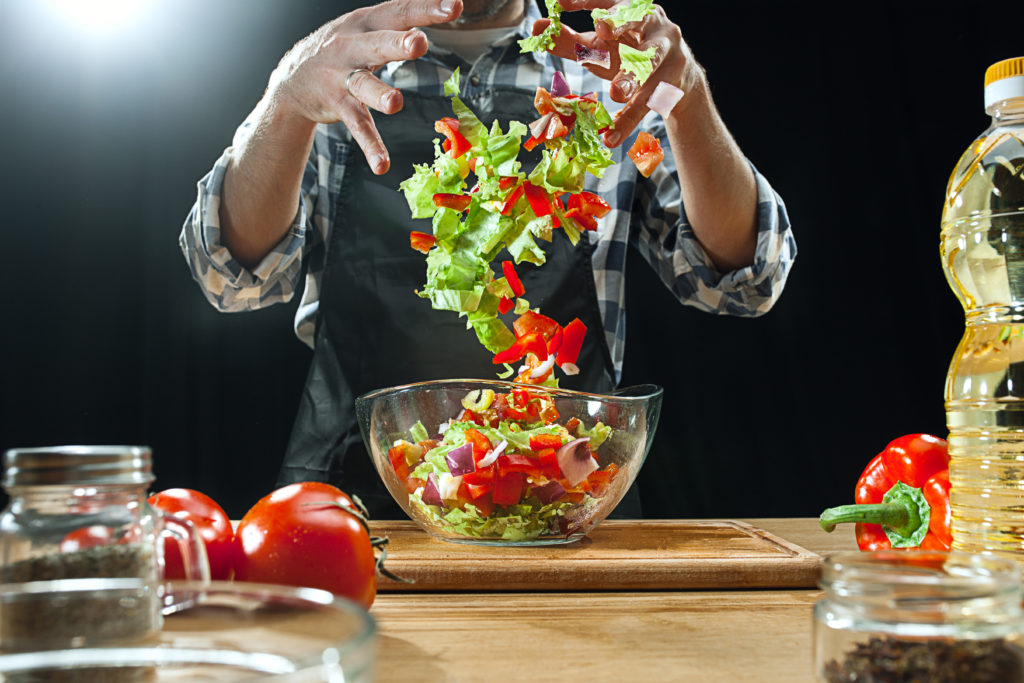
666,240
228,285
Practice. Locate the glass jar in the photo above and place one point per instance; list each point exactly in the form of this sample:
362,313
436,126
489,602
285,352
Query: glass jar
918,615
79,514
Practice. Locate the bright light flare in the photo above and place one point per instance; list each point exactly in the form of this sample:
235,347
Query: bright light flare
100,17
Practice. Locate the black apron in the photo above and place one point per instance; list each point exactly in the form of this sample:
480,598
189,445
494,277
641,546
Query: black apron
373,331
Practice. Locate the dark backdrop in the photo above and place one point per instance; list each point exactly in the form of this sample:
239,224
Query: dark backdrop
856,112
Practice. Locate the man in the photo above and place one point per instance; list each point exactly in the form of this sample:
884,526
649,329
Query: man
310,184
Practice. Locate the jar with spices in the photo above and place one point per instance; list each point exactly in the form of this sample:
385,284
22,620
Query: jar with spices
919,616
81,551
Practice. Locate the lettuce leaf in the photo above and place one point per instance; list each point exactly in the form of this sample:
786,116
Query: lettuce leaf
637,62
545,40
635,10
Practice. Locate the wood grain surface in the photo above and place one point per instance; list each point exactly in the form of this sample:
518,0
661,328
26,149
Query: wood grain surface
618,555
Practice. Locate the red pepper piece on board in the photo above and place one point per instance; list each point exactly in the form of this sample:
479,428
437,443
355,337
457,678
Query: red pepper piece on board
513,278
459,202
902,497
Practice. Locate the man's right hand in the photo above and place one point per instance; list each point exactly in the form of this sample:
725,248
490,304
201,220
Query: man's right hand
263,180
325,78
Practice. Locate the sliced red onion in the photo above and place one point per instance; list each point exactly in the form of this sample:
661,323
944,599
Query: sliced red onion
576,460
489,459
460,460
559,86
448,486
431,495
664,98
538,127
549,492
570,368
590,55
544,368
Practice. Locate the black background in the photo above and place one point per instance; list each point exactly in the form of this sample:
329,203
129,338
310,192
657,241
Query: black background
856,112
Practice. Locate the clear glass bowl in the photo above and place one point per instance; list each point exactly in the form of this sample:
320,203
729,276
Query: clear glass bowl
386,417
220,631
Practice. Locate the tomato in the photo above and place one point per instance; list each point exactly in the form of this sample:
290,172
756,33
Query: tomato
421,241
646,153
210,522
299,535
86,537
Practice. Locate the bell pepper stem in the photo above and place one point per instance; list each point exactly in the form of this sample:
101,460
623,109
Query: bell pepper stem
893,515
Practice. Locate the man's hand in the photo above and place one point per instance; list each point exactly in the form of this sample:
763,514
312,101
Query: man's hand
673,62
325,78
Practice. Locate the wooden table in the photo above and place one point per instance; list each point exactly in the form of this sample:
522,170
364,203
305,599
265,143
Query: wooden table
656,635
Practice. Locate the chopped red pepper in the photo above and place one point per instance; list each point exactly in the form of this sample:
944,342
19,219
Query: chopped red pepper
530,143
459,202
505,305
583,220
508,488
458,143
572,342
480,476
507,181
549,463
421,241
481,444
397,457
513,278
539,200
902,497
515,462
511,199
531,343
531,321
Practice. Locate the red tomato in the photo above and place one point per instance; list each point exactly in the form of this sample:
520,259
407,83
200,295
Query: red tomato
298,536
209,520
646,153
86,537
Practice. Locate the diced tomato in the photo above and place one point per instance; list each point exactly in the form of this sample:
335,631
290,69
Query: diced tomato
542,101
412,483
508,488
589,203
511,199
549,413
556,129
421,241
505,305
538,198
513,278
646,153
539,442
572,424
532,322
469,415
446,200
572,342
396,455
458,144
584,221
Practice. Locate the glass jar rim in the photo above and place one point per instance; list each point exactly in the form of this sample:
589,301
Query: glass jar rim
78,464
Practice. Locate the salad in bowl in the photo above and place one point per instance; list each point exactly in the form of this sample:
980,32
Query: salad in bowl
503,463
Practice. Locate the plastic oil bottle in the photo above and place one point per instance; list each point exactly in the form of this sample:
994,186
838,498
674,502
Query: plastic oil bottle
982,248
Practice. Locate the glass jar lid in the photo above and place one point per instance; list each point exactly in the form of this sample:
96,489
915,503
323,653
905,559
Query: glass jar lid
66,465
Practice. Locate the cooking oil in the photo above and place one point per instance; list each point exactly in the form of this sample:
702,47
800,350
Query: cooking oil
982,249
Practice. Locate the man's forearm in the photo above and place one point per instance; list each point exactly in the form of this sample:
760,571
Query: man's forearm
718,186
263,182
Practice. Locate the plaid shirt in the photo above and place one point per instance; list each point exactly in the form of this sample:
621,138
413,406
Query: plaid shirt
647,213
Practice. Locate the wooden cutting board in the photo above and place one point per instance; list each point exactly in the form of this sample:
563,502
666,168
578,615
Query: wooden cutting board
618,555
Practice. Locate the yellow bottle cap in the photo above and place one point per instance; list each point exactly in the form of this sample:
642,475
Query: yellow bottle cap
1004,80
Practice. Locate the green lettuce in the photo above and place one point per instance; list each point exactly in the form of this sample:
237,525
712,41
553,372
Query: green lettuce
545,40
637,62
635,10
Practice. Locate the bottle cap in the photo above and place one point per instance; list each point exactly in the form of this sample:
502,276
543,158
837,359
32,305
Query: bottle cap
63,465
1004,80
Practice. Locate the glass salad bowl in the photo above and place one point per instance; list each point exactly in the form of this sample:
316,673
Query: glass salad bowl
499,463
217,631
